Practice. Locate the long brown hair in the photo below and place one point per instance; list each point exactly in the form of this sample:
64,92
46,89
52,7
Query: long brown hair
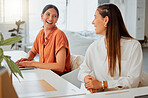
115,30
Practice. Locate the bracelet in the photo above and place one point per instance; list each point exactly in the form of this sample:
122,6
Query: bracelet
103,85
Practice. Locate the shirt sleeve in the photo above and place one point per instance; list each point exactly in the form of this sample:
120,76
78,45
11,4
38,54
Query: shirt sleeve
61,41
85,67
134,74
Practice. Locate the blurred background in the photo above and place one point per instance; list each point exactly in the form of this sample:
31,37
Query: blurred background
23,18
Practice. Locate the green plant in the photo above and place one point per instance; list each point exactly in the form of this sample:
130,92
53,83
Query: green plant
13,66
18,33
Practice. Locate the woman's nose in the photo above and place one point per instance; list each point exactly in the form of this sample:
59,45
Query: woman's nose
50,18
93,22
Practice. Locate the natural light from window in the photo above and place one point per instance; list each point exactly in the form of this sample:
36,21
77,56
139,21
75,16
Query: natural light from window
1,11
11,10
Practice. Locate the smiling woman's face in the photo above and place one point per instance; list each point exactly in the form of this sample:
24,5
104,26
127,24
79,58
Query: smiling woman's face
99,23
49,18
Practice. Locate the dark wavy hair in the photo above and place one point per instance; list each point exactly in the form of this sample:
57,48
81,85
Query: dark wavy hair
115,30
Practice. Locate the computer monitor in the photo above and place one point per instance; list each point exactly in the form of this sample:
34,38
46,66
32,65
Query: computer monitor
6,88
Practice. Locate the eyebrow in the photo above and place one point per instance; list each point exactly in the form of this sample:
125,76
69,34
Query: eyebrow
52,14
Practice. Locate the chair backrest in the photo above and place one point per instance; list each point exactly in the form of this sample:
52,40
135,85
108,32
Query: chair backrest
72,77
6,88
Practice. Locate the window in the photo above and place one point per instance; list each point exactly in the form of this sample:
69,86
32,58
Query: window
10,11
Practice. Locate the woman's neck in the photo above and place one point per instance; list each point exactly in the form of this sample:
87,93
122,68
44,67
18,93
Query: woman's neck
47,31
105,41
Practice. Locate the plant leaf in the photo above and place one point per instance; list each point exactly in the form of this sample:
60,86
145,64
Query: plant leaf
1,56
1,37
10,41
1,59
1,52
13,66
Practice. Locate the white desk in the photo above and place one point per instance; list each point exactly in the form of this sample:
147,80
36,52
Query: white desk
63,87
126,93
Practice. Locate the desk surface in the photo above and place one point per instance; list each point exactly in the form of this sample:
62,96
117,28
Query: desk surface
63,87
23,89
126,93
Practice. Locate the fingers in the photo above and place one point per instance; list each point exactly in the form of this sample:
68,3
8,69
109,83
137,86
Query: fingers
22,59
88,85
20,64
93,90
92,84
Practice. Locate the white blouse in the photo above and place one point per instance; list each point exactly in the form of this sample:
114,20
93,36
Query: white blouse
96,64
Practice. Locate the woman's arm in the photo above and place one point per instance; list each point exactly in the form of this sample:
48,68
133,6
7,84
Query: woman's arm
58,66
85,71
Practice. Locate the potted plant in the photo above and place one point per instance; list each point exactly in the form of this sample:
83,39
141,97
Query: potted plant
13,66
18,33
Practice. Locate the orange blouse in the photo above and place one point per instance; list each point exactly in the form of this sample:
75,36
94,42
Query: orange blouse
48,50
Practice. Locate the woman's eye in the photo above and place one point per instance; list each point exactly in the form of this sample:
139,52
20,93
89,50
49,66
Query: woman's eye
48,14
54,16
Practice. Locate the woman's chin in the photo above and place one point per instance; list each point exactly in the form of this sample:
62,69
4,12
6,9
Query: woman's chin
48,27
98,33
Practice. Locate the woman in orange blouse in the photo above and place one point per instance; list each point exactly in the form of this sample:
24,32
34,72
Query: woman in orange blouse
51,44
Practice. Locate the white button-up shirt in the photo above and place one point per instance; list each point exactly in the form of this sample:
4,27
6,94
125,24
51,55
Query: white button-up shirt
96,64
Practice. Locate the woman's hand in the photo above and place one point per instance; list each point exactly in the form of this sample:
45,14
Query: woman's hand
25,64
93,84
93,90
88,78
21,60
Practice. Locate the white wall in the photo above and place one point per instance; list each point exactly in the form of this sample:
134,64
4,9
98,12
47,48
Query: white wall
80,14
131,17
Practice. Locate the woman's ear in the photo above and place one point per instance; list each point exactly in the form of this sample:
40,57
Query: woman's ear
42,16
106,20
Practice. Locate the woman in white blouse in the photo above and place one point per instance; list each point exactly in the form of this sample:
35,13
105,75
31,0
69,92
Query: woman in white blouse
115,60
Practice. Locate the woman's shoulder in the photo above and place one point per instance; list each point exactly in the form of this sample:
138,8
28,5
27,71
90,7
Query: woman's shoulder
130,42
97,42
59,33
40,33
